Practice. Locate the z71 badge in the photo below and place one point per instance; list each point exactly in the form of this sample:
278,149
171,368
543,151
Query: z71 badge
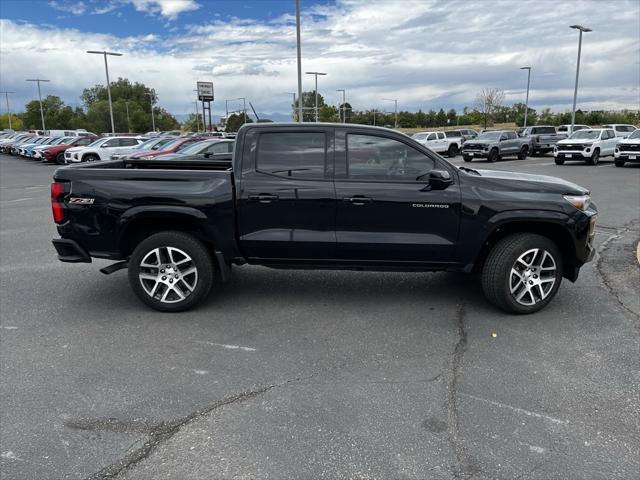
80,201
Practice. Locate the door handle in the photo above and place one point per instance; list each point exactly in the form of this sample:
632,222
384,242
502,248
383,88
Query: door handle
263,198
358,200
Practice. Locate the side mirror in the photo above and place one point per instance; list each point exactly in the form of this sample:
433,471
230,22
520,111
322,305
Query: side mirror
438,180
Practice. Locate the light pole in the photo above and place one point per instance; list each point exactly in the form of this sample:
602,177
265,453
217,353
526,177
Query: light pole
526,102
293,106
299,61
6,96
38,80
197,119
396,116
316,75
343,105
106,68
575,90
126,104
153,120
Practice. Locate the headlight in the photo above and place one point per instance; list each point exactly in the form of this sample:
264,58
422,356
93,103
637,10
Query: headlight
581,202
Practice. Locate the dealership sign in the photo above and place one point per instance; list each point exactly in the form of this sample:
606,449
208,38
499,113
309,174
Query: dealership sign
205,91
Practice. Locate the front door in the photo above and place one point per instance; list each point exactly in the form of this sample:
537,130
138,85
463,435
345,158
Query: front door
286,207
384,214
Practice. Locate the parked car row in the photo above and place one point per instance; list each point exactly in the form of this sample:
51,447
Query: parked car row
589,145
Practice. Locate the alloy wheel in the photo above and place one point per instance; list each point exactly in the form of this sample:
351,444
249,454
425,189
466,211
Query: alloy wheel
532,276
168,274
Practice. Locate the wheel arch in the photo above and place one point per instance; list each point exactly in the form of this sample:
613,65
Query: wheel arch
553,230
138,223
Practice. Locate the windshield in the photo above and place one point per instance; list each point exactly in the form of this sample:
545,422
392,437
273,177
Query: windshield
420,136
196,147
97,142
66,140
172,144
586,134
635,134
489,136
159,143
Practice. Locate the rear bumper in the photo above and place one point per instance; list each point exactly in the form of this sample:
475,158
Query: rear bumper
70,251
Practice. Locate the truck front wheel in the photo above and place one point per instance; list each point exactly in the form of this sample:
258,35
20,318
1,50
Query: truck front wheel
171,271
522,273
493,155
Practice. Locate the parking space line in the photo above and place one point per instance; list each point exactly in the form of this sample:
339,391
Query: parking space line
516,409
17,200
228,347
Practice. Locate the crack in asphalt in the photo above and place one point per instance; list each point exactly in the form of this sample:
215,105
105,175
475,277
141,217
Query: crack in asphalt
158,433
605,279
464,467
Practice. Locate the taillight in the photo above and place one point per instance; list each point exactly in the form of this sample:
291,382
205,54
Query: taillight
58,190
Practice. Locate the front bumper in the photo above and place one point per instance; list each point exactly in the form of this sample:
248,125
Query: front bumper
572,154
626,156
475,153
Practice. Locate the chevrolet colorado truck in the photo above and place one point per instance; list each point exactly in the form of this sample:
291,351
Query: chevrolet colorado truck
440,142
628,149
496,144
321,196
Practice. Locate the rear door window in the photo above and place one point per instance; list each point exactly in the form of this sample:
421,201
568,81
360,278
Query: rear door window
128,142
292,154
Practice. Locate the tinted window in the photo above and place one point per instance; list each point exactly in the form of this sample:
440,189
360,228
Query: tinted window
542,130
431,137
222,147
503,137
511,135
454,133
441,135
625,128
114,142
292,154
379,158
128,142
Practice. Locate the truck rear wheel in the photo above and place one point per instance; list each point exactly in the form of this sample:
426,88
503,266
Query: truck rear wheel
171,271
453,150
522,273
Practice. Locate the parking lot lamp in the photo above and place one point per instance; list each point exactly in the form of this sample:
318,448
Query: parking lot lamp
38,80
316,75
344,112
299,61
153,120
106,68
6,96
526,102
396,114
575,90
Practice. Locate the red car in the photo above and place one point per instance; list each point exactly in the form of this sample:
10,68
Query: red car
55,153
171,147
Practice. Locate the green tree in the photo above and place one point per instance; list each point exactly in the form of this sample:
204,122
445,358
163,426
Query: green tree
56,114
517,114
309,104
452,117
193,123
441,118
235,121
16,121
345,110
328,113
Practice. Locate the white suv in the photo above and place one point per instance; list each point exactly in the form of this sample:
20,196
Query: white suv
622,129
101,149
586,145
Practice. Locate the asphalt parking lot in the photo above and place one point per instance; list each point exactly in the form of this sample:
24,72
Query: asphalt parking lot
294,374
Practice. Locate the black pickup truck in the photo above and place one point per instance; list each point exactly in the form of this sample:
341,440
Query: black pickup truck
322,196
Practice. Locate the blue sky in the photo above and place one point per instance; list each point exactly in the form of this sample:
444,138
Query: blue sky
426,53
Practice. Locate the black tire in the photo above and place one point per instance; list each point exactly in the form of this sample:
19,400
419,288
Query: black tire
90,157
559,161
199,258
618,163
59,159
453,151
493,156
467,158
594,158
522,155
503,257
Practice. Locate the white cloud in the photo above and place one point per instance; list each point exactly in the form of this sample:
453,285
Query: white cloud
76,8
167,8
428,54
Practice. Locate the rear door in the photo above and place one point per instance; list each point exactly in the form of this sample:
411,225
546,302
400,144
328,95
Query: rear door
286,199
384,215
